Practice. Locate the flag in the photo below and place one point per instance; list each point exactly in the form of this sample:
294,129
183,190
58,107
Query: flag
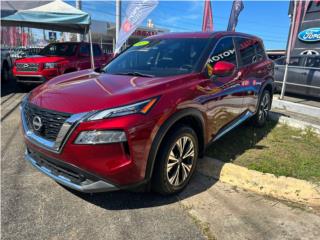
207,23
298,6
237,7
136,12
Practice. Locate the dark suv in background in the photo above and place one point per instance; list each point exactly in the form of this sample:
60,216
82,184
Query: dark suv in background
303,75
149,114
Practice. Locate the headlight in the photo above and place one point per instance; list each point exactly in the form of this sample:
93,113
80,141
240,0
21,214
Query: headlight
100,137
50,65
140,107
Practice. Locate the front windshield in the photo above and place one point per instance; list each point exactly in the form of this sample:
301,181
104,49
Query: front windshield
159,57
59,49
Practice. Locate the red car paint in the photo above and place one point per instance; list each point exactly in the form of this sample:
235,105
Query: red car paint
217,102
64,64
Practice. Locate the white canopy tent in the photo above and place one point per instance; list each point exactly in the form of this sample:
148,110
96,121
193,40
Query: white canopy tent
54,15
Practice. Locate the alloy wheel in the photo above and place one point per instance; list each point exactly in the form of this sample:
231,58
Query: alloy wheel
264,107
180,161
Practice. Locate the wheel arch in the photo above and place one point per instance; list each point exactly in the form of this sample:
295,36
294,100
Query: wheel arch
190,117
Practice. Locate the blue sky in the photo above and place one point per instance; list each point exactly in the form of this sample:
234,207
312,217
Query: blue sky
266,19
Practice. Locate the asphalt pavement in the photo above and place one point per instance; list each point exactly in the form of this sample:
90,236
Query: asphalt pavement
35,207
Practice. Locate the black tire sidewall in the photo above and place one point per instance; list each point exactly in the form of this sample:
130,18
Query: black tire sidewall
256,119
161,183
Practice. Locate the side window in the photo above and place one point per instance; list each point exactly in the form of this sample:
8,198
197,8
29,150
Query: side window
295,61
223,51
97,51
251,51
260,53
85,50
281,61
313,62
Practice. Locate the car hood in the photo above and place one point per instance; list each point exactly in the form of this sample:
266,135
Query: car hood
40,59
87,90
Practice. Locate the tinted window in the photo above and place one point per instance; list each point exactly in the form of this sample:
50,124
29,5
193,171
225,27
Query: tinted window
223,51
159,57
313,62
295,61
85,50
251,51
280,61
96,51
59,49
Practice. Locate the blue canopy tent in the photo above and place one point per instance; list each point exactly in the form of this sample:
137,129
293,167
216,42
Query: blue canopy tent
55,15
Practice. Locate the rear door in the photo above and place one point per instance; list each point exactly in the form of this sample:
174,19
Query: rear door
312,76
255,69
84,57
297,75
99,59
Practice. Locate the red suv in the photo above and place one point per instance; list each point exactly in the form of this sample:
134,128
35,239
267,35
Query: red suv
149,114
56,59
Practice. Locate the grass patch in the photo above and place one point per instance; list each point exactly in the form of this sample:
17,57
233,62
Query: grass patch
275,148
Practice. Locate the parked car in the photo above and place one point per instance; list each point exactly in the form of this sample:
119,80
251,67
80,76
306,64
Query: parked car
303,75
56,59
275,54
6,65
150,113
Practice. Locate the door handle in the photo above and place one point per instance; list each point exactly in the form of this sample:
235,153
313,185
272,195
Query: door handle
304,73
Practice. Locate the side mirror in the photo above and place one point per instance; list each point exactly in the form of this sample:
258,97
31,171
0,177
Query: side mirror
223,69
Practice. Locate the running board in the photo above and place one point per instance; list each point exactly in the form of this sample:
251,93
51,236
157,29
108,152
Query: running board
234,124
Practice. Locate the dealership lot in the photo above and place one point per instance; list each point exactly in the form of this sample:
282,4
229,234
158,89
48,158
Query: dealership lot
35,207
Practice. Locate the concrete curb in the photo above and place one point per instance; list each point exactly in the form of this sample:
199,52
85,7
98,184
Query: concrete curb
296,107
294,122
285,188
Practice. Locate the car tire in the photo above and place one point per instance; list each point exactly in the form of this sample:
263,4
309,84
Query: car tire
176,161
5,73
264,106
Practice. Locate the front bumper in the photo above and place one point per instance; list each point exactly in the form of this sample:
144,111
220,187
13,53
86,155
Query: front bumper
69,176
122,164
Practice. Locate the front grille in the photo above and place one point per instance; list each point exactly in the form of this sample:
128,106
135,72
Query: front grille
51,121
27,67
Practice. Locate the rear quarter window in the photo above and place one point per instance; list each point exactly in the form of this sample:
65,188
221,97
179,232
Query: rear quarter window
313,62
295,61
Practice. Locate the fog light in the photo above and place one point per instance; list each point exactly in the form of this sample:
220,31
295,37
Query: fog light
100,137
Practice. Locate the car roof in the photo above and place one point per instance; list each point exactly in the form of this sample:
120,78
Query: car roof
208,35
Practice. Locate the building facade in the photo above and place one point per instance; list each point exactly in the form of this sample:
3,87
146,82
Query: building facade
307,40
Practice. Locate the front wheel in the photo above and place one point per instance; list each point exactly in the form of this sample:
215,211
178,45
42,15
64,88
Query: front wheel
264,107
176,161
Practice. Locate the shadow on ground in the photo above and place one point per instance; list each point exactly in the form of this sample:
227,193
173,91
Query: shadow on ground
11,87
239,140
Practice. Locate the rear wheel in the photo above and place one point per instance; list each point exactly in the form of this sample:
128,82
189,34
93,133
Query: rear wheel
264,107
176,161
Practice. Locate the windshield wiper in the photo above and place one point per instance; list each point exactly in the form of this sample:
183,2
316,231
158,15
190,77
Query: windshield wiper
135,74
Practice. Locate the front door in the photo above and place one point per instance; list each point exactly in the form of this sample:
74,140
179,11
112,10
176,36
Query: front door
223,93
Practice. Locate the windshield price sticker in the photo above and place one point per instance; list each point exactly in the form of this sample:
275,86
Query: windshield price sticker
141,43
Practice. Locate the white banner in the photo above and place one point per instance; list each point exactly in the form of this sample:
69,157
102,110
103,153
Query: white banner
136,12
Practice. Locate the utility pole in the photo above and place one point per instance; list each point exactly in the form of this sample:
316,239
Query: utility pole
79,6
293,19
118,18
